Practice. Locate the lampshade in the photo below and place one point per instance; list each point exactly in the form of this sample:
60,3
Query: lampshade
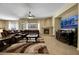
30,17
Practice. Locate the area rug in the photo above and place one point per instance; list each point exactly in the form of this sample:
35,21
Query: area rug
27,48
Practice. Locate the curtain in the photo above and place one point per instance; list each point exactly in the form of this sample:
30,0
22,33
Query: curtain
13,25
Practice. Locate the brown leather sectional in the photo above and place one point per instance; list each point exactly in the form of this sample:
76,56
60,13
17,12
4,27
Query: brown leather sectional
10,37
6,33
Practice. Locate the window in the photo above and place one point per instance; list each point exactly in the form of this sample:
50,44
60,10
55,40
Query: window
33,26
13,25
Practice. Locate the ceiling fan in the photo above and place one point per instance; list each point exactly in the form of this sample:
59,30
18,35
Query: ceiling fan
30,15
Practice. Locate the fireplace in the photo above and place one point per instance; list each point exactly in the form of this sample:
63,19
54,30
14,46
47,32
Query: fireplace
46,31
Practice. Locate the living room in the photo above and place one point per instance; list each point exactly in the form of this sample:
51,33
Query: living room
36,29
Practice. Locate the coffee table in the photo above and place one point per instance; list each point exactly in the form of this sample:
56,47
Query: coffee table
32,36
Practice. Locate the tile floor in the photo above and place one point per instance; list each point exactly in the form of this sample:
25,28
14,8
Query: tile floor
56,47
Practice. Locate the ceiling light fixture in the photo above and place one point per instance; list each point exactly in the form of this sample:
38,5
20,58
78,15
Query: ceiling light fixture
30,16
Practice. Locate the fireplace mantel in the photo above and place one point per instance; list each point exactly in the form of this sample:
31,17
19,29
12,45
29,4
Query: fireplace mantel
47,30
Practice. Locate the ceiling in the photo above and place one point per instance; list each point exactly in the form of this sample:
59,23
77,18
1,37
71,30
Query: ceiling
13,11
